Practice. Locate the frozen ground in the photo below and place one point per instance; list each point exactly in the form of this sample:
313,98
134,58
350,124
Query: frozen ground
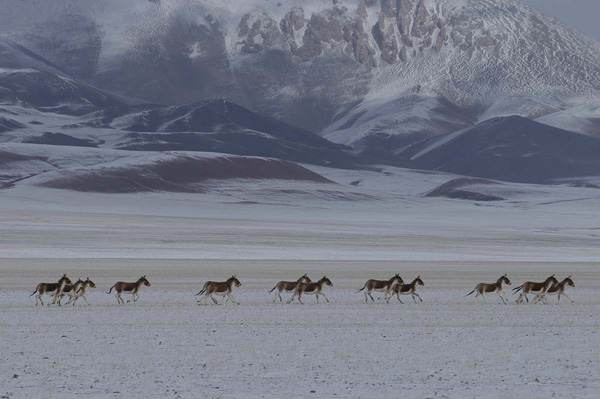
167,346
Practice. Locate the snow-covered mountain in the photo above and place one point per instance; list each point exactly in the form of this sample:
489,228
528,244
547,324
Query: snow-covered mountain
374,74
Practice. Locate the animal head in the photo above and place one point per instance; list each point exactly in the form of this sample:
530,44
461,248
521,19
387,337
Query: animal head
327,281
90,283
505,280
64,279
304,279
235,281
144,281
419,281
552,279
396,279
569,282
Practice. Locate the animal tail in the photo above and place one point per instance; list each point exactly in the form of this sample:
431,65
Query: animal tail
109,291
516,290
273,289
36,290
470,293
365,286
203,289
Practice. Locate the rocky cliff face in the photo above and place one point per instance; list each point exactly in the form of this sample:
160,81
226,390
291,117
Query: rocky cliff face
369,73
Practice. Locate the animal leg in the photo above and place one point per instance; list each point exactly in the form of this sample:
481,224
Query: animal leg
414,298
366,297
291,299
568,298
327,299
230,296
520,299
419,296
213,299
501,295
300,299
399,300
317,295
371,296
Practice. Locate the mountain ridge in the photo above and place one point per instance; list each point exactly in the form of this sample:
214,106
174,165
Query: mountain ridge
358,71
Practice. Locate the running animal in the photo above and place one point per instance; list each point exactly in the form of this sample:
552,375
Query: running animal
79,290
129,288
288,286
529,287
381,286
50,289
219,288
483,288
407,289
311,289
559,289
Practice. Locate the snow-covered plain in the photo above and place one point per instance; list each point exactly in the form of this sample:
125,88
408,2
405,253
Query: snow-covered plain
370,225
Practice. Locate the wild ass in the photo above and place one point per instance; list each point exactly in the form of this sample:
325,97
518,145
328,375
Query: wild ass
381,286
407,289
557,289
219,288
50,289
311,289
482,288
528,287
79,290
288,286
129,288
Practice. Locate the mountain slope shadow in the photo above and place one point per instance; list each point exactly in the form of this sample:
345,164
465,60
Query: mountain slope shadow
513,149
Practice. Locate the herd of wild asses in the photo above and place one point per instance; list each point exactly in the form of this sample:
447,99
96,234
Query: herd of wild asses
305,286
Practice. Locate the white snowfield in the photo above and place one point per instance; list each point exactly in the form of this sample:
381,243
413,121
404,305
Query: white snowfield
369,225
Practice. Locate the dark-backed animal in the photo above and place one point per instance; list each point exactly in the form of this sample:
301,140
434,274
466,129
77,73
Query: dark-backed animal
223,289
381,286
288,286
311,289
79,290
558,289
529,287
483,288
129,288
50,289
407,289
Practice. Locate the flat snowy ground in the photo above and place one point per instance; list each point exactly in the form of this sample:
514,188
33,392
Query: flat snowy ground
166,345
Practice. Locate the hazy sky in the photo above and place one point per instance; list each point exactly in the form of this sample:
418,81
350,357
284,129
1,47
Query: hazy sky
583,15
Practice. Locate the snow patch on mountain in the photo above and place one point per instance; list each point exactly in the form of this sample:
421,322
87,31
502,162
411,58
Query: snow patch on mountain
365,73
